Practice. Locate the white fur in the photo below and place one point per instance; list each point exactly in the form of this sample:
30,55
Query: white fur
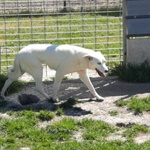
62,58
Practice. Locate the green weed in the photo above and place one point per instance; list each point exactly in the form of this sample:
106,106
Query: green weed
133,73
138,105
45,115
133,131
95,130
113,113
121,103
63,130
59,112
69,103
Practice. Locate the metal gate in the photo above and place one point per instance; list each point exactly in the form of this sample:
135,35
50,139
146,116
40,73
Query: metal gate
93,24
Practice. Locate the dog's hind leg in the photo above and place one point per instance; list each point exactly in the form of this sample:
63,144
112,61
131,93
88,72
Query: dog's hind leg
6,85
58,78
37,73
34,67
39,88
13,75
85,79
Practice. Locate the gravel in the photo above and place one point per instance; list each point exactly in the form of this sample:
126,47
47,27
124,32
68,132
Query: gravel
109,87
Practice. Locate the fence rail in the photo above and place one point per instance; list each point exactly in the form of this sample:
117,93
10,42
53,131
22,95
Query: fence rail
93,24
54,6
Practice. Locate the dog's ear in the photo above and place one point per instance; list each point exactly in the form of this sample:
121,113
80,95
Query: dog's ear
99,52
88,57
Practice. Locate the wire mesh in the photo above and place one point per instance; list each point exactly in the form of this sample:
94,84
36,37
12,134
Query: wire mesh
93,24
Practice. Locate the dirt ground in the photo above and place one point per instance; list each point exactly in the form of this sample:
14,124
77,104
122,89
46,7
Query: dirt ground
109,87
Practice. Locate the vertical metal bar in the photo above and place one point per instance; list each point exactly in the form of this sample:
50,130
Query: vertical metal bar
44,10
121,24
124,32
44,26
95,26
5,26
108,49
31,20
18,19
57,24
0,60
82,14
65,5
70,20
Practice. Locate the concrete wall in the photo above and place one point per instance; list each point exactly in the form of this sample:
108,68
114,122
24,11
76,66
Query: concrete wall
138,50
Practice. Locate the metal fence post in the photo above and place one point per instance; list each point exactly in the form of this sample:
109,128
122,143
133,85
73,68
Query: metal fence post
124,32
0,60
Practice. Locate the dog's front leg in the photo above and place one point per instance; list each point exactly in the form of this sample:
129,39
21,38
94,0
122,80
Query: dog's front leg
85,78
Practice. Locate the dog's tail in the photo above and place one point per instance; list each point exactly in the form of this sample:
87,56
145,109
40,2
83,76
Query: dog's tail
15,71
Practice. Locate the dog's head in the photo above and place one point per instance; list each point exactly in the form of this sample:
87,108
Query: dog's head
96,61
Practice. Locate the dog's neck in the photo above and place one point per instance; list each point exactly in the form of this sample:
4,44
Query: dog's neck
82,63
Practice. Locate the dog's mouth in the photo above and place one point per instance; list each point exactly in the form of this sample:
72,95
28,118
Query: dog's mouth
100,73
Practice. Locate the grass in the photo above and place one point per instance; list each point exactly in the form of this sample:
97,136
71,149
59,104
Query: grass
95,130
113,113
23,131
137,105
45,115
135,130
59,112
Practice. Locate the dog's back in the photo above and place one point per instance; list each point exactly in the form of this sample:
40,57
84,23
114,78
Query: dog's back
52,55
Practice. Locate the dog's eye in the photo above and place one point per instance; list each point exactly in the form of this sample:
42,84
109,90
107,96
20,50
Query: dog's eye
99,63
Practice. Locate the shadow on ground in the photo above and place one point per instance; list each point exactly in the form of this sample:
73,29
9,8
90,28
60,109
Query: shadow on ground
106,87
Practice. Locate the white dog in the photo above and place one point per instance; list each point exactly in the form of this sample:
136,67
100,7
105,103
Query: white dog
62,58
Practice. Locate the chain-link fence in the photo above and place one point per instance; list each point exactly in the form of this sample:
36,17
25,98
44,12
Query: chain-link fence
93,24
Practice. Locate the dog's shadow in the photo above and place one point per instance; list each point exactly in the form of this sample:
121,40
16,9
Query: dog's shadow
106,87
33,102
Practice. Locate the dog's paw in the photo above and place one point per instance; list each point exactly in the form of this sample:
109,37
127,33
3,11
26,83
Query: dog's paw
3,98
52,100
98,98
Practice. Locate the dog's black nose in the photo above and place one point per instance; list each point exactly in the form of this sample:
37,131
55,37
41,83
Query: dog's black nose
106,71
